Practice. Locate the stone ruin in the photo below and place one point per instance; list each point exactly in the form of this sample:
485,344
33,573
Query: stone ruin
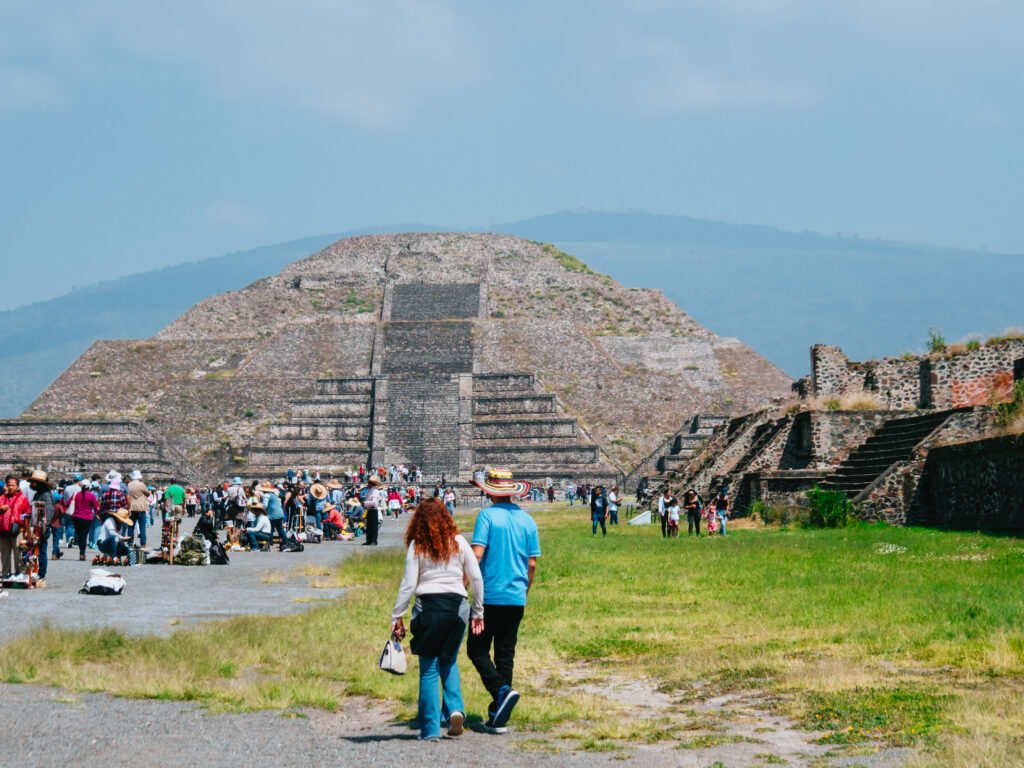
449,351
903,460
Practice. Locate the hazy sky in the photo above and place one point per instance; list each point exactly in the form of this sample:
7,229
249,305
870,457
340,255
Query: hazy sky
142,134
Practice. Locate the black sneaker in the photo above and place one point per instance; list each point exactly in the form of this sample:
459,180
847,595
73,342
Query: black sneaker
507,699
490,727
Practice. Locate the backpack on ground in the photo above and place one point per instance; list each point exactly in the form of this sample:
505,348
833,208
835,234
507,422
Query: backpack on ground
218,555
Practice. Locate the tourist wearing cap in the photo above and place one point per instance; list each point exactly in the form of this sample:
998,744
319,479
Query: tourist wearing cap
438,565
275,511
115,497
138,505
111,540
507,546
372,502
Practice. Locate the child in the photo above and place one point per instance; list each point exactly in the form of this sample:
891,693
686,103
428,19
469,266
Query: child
709,515
673,519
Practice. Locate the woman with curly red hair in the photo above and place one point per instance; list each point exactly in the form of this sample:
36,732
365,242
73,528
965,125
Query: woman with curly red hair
438,565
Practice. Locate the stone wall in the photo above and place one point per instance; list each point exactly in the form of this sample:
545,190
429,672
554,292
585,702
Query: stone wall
949,379
423,423
433,301
822,439
975,486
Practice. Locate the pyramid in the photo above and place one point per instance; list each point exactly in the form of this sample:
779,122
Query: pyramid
449,351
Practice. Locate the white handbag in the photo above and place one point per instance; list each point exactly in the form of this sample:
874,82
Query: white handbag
392,658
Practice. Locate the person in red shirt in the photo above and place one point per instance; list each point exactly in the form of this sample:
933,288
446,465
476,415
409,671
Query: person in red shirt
333,523
14,512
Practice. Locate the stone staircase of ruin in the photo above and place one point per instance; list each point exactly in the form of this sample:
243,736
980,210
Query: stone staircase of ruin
893,442
330,430
517,425
673,456
64,446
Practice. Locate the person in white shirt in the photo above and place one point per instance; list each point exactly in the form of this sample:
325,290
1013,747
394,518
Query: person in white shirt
663,512
373,501
260,529
438,563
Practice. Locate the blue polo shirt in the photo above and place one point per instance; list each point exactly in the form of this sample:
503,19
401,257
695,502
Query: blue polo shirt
510,539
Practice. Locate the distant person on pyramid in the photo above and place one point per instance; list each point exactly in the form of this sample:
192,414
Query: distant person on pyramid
507,546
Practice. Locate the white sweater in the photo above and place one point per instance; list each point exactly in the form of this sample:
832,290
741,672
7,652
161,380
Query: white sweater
424,576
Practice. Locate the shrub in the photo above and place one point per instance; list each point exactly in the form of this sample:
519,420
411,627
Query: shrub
827,509
1010,413
973,344
936,341
858,401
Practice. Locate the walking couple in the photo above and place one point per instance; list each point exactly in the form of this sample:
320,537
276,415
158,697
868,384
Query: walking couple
499,567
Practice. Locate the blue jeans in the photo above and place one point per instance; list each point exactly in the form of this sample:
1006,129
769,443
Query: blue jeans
598,520
571,495
113,547
613,516
433,669
721,523
93,531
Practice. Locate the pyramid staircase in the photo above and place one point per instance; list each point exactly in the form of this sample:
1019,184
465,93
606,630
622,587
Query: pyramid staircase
892,442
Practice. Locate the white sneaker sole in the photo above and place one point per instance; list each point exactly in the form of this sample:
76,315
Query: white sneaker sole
455,724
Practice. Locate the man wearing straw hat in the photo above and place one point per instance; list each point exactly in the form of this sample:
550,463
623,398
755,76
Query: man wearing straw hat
42,516
507,546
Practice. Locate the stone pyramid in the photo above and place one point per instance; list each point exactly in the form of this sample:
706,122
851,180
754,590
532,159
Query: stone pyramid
449,351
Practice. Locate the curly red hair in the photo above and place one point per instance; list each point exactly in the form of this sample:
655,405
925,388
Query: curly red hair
432,531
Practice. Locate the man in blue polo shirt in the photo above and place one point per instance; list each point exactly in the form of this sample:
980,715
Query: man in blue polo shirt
506,545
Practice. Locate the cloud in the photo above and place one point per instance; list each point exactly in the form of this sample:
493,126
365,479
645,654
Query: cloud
372,63
27,89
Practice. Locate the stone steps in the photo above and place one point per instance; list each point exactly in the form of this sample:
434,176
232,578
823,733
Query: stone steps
115,445
525,441
567,454
331,407
343,386
514,405
268,458
79,428
501,429
314,430
501,383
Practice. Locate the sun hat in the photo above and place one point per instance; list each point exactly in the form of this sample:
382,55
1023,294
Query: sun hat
266,485
318,490
329,507
236,480
256,505
353,502
374,480
113,475
497,481
335,485
124,516
136,475
38,477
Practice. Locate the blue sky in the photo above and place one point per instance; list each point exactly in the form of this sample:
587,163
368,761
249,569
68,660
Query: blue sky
137,135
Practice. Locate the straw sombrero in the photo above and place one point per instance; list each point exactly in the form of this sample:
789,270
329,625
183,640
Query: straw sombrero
374,481
319,490
497,481
124,516
38,477
335,485
352,502
267,486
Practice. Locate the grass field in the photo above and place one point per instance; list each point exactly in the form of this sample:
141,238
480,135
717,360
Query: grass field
870,635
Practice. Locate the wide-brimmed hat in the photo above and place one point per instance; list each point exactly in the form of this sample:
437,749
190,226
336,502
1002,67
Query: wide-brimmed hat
318,490
124,516
136,475
329,507
113,475
353,502
256,505
267,486
38,477
374,480
497,481
335,485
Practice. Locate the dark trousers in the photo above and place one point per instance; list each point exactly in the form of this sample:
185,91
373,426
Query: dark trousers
693,522
664,525
372,524
82,527
331,530
277,526
501,626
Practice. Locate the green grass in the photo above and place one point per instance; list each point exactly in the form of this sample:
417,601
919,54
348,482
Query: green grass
865,633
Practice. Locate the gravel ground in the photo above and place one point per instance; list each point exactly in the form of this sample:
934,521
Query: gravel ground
159,599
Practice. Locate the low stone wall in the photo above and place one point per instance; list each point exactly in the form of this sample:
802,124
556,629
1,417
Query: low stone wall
822,439
976,485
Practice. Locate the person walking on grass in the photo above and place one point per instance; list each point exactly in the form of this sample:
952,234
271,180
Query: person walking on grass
692,507
507,546
614,500
663,512
598,510
438,565
721,504
673,518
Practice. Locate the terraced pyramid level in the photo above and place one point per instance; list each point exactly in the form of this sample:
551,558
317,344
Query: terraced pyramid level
449,351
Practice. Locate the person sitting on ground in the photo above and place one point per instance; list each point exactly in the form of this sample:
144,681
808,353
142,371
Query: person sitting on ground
260,530
205,527
110,540
333,522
